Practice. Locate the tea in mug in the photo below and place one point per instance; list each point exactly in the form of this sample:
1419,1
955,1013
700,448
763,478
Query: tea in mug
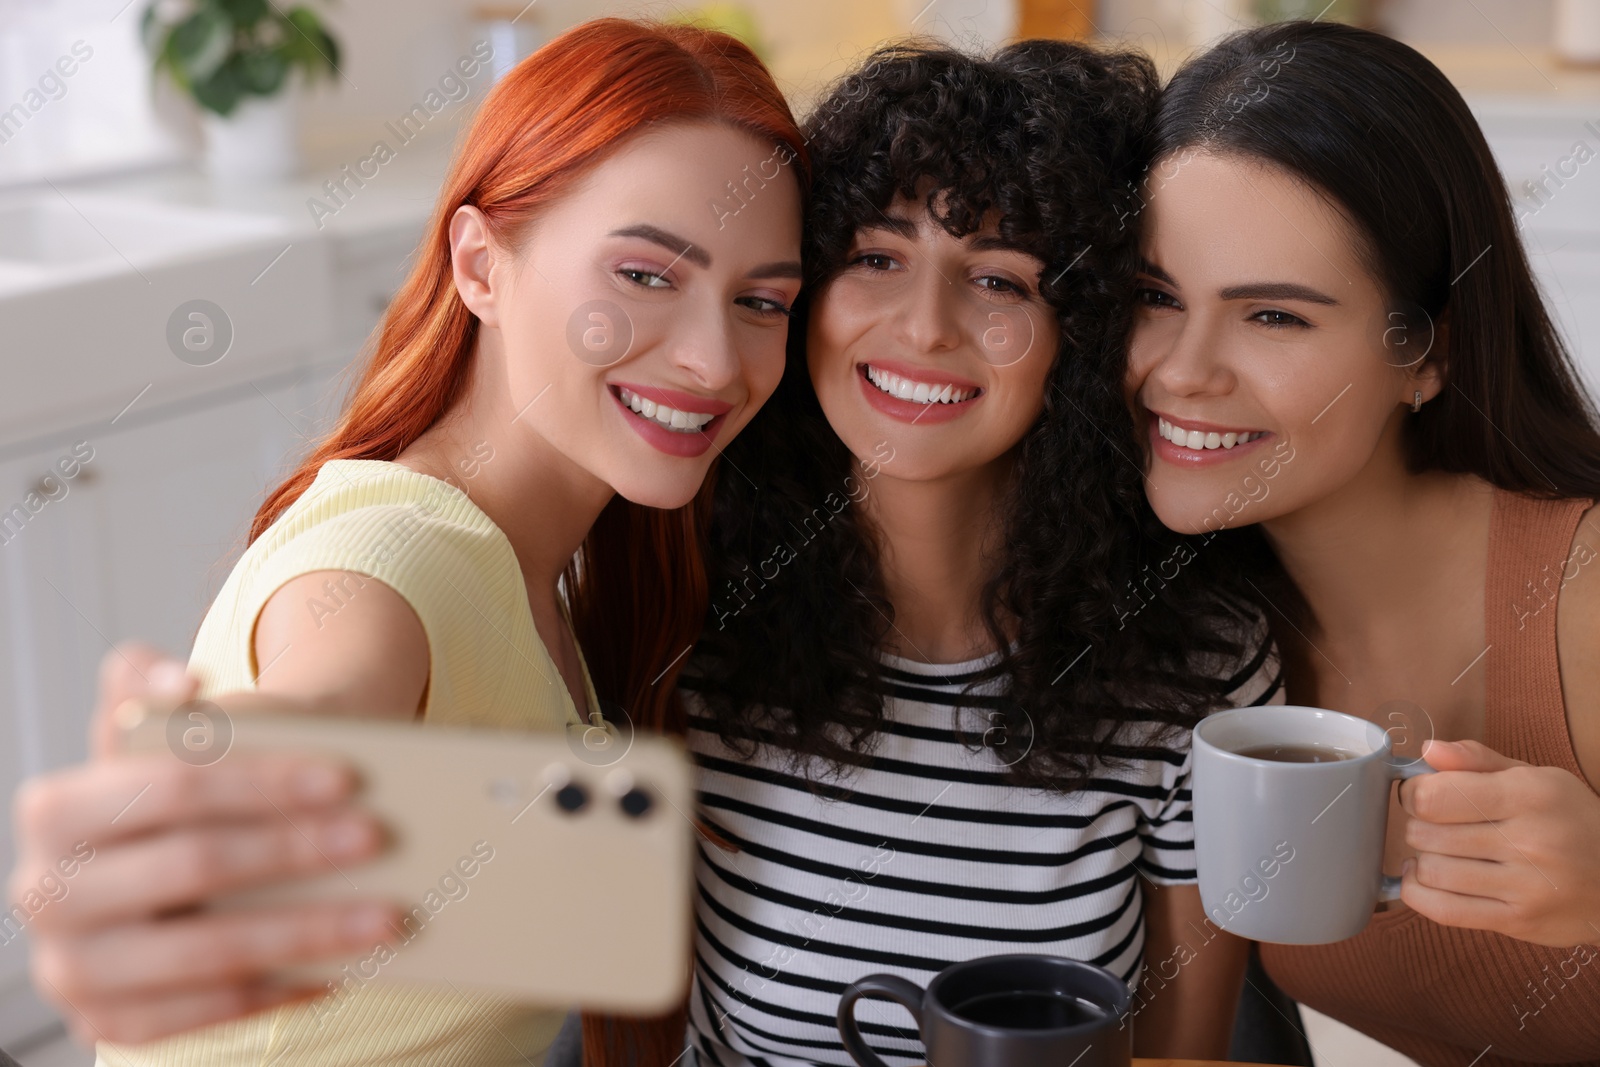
1029,1009
1287,752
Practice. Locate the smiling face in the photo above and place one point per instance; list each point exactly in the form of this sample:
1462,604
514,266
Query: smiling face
1265,366
638,326
931,348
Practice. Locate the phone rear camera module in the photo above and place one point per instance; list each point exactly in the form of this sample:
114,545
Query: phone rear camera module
572,798
636,803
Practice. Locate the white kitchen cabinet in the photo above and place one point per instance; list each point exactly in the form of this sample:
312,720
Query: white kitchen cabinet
135,547
14,639
139,543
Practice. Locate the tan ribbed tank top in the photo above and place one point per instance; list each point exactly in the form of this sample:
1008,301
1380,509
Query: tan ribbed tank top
1449,997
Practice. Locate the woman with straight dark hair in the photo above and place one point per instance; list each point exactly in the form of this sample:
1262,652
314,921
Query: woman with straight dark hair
1351,390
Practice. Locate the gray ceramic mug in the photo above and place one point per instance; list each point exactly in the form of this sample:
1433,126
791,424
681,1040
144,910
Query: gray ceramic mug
1292,852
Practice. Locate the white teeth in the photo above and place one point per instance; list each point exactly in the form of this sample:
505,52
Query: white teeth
917,392
670,418
1201,440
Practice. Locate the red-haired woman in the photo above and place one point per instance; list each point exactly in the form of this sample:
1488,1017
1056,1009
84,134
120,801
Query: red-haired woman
579,338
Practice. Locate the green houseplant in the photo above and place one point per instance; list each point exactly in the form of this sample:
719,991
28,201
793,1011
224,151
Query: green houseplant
237,59
222,51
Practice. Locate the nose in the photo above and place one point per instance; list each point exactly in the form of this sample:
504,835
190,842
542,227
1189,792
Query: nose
706,351
928,319
1188,361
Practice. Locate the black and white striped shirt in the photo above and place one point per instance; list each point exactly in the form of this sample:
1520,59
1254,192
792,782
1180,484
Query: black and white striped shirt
923,856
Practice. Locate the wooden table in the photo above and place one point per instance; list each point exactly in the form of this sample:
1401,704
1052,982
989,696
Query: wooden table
1195,1063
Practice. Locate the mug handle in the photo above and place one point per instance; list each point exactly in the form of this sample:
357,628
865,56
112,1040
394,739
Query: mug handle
876,987
1399,772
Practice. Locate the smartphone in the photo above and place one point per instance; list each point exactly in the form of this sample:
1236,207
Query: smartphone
543,867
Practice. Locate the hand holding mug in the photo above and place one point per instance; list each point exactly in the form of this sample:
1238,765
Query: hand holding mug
1504,846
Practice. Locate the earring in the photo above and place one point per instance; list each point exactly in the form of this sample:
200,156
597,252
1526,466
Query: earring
1416,400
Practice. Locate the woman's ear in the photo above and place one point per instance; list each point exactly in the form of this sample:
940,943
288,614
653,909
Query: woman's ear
472,263
1432,374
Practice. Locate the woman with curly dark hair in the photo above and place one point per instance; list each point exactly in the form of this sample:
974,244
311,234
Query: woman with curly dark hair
940,706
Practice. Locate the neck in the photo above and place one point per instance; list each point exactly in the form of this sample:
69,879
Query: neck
937,541
1367,556
540,499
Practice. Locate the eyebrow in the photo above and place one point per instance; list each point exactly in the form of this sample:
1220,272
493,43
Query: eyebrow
898,225
993,242
671,242
788,268
1277,291
981,242
1252,290
692,252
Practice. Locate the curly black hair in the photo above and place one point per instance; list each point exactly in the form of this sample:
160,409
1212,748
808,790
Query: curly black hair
1101,615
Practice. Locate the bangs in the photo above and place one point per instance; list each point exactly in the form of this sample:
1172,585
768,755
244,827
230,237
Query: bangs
1043,139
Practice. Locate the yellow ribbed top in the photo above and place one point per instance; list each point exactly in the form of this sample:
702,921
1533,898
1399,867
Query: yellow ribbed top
427,540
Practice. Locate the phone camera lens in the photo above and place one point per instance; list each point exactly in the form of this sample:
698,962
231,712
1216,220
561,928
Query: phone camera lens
636,803
572,797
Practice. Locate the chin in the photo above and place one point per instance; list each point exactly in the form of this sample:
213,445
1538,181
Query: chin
663,493
1179,515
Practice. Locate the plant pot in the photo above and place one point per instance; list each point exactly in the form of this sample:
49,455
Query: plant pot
259,141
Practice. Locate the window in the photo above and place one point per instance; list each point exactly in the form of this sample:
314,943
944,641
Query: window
75,91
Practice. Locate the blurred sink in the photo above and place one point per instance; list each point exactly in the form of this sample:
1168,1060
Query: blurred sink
49,239
93,286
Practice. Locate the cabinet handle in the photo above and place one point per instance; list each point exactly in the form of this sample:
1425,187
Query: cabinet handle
85,476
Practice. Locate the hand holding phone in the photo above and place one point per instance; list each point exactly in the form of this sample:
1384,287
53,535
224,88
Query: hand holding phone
115,857
524,864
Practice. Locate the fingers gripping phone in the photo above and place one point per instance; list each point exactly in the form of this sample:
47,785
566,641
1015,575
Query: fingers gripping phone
536,866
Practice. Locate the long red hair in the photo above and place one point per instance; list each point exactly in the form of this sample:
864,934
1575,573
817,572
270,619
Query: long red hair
638,589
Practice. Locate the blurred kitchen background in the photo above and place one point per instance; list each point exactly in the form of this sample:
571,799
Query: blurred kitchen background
182,293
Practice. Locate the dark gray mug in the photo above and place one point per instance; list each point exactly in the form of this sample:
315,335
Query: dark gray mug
1005,1011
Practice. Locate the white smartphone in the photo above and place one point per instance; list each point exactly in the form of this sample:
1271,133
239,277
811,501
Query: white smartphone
531,865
